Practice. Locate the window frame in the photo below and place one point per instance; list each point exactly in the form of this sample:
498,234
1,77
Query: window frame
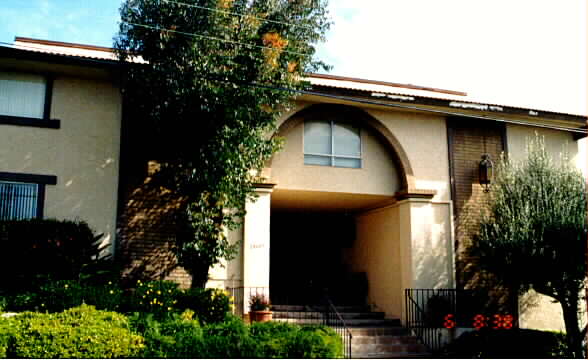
40,180
46,121
332,155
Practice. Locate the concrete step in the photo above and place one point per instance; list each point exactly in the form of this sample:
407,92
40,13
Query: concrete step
351,323
387,346
374,336
344,315
393,355
319,308
358,331
384,339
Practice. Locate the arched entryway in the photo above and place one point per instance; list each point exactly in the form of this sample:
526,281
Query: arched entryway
316,203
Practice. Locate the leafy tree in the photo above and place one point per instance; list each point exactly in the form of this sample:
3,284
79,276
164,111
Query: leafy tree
209,76
532,233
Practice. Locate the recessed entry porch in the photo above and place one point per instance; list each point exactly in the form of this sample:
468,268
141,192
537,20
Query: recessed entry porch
313,237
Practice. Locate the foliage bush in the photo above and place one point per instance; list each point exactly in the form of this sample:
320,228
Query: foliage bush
315,342
229,339
155,297
515,343
61,249
272,338
179,336
163,298
8,330
56,296
81,332
210,305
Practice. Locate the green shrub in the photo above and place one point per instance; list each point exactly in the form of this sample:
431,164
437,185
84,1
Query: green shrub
27,301
81,332
273,338
61,250
515,343
155,297
210,305
56,296
8,330
315,342
178,336
229,339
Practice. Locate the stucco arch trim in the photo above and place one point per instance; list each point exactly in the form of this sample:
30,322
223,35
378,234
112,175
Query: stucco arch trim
358,115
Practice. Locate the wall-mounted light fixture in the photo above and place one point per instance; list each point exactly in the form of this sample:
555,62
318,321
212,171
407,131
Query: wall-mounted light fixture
486,172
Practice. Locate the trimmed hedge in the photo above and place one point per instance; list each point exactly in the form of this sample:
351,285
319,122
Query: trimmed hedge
81,332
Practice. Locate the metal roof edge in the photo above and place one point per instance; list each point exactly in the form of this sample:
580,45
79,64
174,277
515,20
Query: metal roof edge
464,104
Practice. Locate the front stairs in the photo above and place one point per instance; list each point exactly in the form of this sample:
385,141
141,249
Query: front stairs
373,336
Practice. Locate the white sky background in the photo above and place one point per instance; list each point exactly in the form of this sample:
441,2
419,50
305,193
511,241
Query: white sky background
528,53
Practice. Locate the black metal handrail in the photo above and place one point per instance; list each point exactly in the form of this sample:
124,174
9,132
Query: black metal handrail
418,322
431,312
338,324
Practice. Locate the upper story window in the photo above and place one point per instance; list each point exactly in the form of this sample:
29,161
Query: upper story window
25,99
22,196
332,143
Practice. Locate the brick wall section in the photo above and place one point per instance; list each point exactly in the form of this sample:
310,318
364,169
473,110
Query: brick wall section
146,229
468,141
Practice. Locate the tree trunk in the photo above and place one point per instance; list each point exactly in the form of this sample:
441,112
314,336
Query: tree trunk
199,273
573,333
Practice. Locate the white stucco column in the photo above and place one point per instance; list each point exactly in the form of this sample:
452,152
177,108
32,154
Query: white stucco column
256,245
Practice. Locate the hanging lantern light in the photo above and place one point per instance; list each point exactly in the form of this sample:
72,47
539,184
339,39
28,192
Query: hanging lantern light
486,172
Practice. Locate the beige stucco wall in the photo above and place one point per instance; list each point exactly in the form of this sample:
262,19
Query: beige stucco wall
378,174
83,153
555,141
423,138
405,245
376,252
229,274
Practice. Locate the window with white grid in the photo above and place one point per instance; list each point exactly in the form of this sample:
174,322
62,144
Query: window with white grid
332,143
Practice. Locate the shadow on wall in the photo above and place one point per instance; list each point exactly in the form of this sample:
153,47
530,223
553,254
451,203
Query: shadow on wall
147,232
433,261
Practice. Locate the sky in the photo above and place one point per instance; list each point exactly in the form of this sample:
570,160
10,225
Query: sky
528,53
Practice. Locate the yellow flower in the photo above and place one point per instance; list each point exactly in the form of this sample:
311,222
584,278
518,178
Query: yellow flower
111,291
169,308
66,286
110,283
158,292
